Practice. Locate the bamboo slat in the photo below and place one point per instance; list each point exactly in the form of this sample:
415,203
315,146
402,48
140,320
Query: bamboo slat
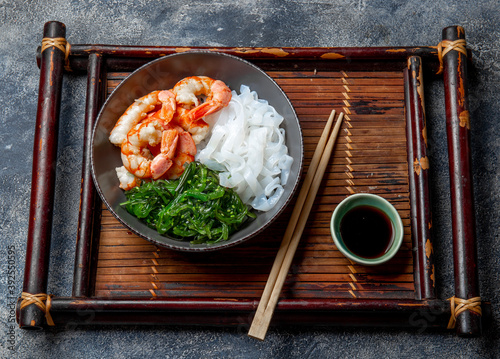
370,156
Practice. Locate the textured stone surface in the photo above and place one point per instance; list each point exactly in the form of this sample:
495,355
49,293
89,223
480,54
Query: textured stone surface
240,23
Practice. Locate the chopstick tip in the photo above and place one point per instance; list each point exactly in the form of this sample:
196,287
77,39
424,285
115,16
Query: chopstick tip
257,332
332,114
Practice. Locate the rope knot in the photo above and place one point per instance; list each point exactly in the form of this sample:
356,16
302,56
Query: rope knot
446,46
61,44
459,305
41,300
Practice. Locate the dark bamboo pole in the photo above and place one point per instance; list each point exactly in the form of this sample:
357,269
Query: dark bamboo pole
420,173
89,215
128,58
416,314
43,176
412,186
462,203
325,53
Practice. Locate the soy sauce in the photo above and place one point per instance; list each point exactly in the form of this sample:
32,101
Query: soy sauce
367,231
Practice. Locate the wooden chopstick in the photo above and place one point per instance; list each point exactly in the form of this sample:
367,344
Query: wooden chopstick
296,225
293,221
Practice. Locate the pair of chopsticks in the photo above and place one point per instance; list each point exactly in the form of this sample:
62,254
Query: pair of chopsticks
293,232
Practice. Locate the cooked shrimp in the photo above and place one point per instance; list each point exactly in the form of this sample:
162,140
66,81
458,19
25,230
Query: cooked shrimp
136,156
169,141
127,179
184,154
163,161
186,144
168,106
179,165
144,109
177,149
152,131
198,129
132,116
188,91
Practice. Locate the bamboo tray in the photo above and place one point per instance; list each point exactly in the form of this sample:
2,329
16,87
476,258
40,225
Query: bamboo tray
120,278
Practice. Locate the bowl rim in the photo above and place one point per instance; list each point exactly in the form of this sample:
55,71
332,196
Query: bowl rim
223,244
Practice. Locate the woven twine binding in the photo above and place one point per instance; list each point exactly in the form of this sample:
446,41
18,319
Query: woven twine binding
446,46
459,305
61,44
41,300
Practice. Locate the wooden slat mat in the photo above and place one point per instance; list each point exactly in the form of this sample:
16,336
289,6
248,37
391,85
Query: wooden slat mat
370,156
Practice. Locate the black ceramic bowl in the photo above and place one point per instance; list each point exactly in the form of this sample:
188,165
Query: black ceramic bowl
164,73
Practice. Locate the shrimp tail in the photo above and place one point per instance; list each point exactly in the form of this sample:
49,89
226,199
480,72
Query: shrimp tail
163,161
220,95
199,112
168,106
160,165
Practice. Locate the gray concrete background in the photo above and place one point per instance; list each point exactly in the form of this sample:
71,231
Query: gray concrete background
240,23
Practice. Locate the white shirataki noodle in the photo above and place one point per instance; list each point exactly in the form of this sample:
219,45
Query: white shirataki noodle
248,146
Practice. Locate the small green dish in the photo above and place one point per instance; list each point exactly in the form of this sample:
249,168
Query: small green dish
371,200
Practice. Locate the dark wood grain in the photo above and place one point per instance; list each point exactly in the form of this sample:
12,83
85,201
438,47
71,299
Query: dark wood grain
89,215
43,176
416,314
462,202
419,173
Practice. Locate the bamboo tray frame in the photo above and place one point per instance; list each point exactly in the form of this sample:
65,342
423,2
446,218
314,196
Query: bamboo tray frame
415,305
